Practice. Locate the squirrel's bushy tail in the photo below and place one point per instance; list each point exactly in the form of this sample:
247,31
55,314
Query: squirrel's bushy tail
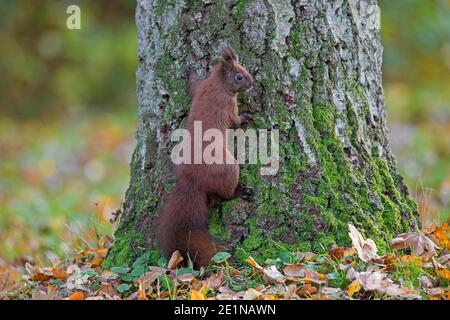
183,225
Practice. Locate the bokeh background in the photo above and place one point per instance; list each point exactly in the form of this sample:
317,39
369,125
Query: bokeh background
68,113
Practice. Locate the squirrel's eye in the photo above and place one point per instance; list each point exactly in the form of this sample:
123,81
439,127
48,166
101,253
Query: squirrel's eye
239,77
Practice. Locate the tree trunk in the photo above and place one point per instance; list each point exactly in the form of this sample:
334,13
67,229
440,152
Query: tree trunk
317,65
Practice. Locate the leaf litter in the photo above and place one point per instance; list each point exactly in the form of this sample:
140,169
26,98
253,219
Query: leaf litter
417,267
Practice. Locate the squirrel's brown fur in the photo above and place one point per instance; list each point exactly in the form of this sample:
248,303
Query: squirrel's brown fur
183,222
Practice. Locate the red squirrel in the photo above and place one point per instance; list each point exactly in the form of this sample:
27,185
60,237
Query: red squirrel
183,222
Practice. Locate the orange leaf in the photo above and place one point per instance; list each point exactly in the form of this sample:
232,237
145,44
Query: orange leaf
60,273
441,235
252,262
444,274
40,277
79,295
142,295
197,295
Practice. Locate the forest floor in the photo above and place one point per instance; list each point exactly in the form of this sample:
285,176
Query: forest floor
418,267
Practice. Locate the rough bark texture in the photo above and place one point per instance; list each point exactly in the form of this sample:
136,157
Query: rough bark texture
318,68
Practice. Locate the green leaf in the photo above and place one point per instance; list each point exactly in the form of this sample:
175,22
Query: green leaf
123,287
162,262
138,271
120,270
220,257
89,272
56,282
125,277
142,260
182,271
286,257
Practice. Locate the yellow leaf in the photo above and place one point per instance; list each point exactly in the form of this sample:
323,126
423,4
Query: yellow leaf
204,290
270,297
353,288
196,295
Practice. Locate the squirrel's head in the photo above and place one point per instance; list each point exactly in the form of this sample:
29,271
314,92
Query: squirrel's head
235,77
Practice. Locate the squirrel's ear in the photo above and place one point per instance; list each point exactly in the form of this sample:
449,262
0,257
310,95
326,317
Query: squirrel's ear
228,53
228,58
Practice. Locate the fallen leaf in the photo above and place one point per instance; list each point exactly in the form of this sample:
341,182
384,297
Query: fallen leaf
142,295
366,249
216,280
149,277
353,288
175,260
79,295
60,273
441,235
337,253
251,294
425,282
444,273
196,295
294,270
272,274
445,259
187,277
253,263
307,290
418,243
430,229
204,289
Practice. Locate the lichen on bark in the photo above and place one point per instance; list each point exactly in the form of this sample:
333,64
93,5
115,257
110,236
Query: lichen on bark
318,70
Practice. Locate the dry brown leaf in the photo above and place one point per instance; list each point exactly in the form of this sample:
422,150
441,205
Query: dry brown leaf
366,249
307,291
216,280
337,253
187,277
149,277
430,229
418,243
425,282
313,276
294,270
175,260
107,289
445,259
60,273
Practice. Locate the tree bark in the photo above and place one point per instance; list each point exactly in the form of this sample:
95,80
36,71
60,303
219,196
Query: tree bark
317,65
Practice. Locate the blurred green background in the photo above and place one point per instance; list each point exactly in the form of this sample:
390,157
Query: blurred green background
68,113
